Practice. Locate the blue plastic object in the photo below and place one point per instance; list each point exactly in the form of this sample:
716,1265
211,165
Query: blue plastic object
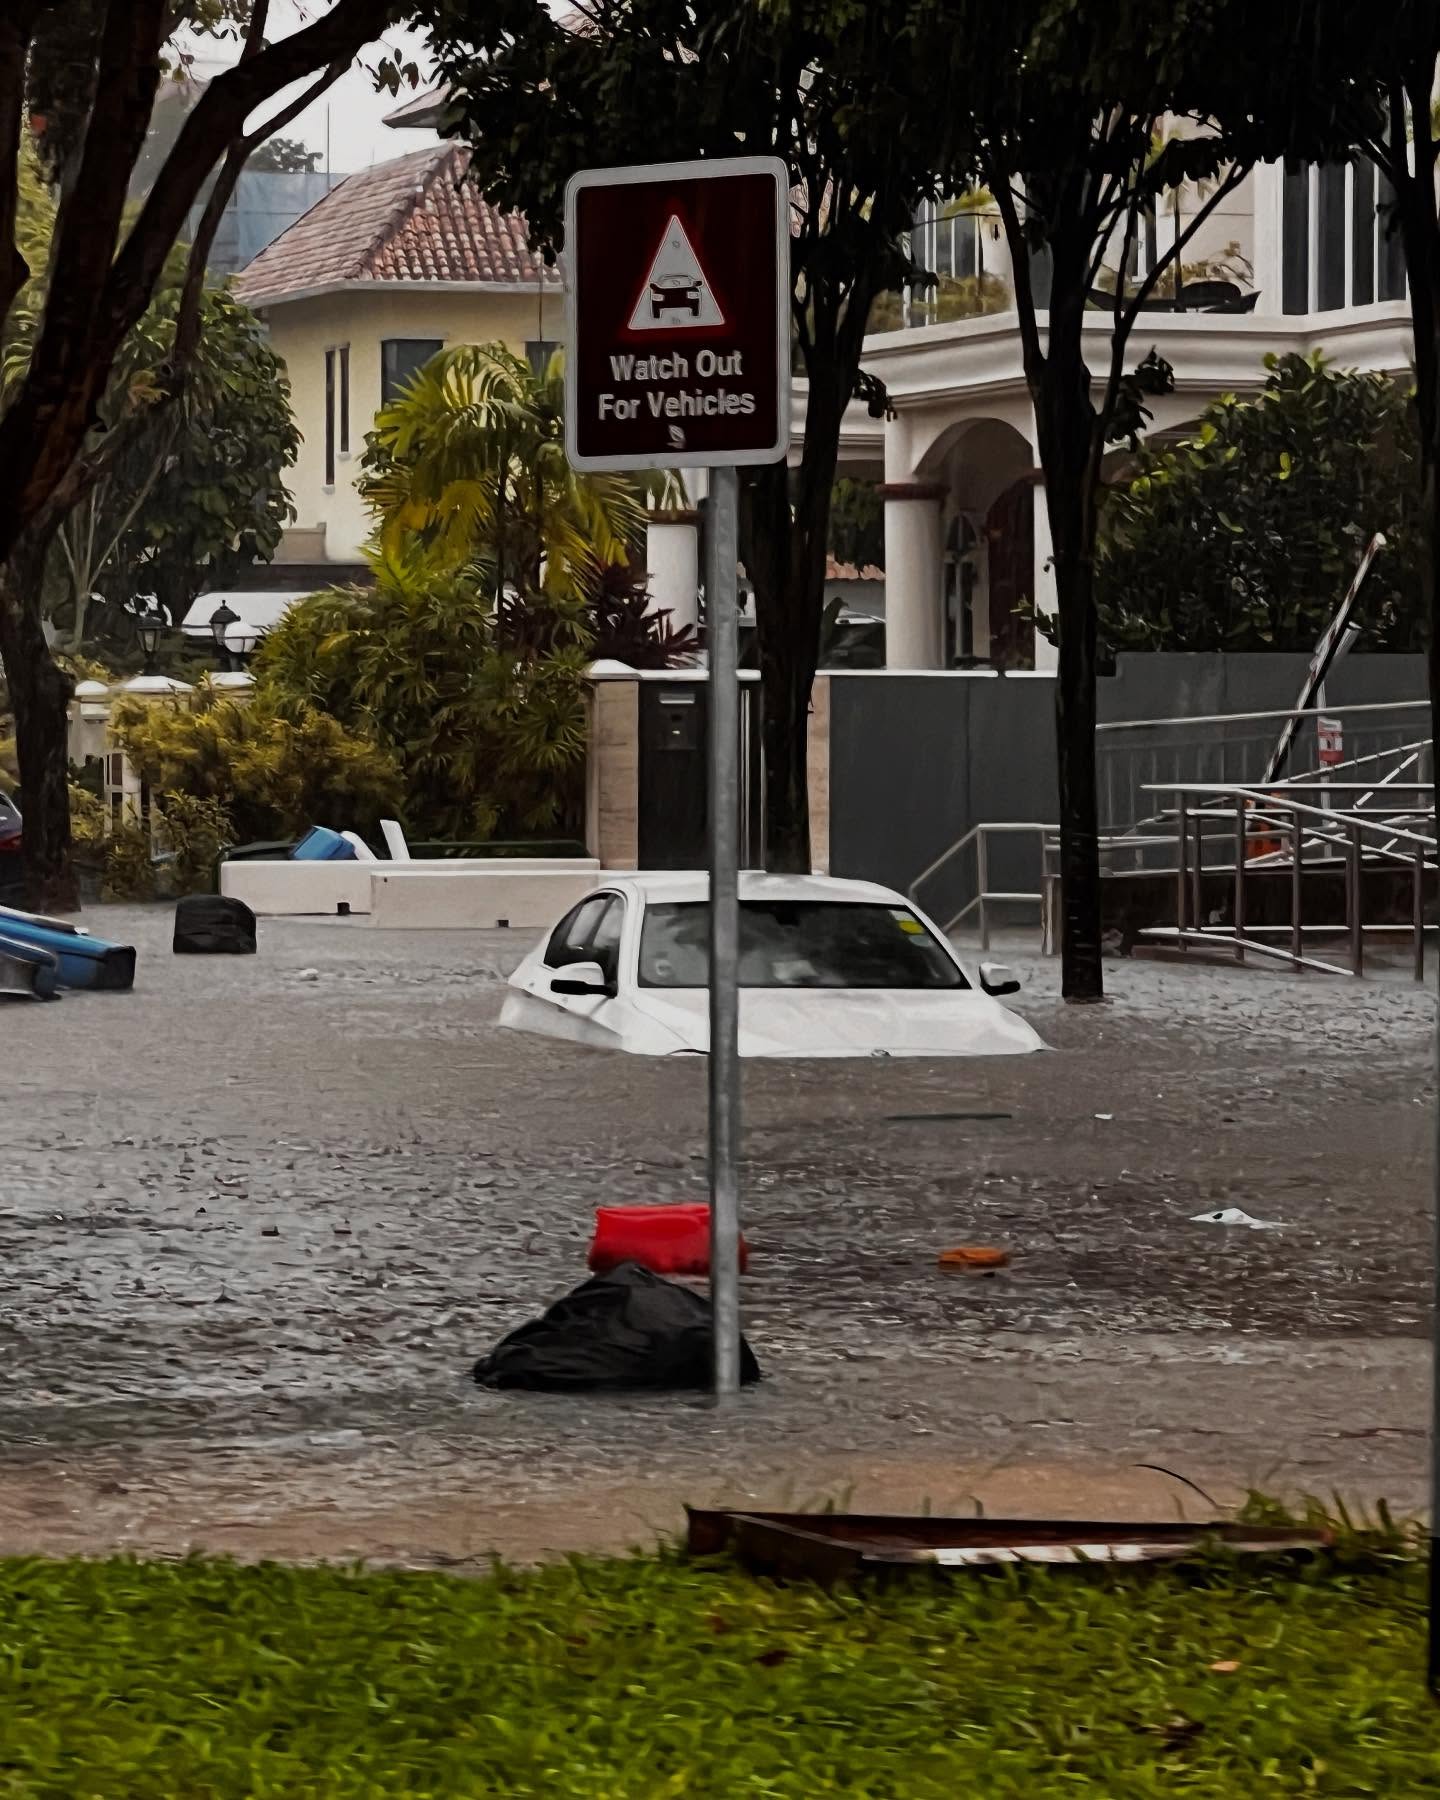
320,844
27,967
82,961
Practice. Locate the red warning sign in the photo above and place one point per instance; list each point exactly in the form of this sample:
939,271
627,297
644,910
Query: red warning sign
678,315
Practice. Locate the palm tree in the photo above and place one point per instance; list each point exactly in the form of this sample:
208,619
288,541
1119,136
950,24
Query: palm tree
470,460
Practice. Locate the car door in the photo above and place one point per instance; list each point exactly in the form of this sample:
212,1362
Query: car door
589,932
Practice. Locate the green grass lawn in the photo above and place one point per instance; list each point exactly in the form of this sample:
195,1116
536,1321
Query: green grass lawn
637,1679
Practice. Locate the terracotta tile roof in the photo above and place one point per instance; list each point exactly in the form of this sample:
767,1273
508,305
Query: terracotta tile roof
412,219
845,571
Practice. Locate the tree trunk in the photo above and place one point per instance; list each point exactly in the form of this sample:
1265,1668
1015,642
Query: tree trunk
767,548
1067,428
784,552
40,695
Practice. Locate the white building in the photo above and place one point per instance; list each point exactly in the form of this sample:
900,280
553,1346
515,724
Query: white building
1301,260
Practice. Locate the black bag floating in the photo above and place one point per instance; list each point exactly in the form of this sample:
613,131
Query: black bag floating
211,925
627,1329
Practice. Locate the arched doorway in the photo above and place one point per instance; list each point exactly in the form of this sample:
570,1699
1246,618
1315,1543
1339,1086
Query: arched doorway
988,569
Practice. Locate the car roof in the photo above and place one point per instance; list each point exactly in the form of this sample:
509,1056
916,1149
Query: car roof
679,885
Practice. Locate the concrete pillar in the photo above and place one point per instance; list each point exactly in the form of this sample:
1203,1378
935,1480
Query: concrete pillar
612,776
1046,654
817,771
672,559
914,553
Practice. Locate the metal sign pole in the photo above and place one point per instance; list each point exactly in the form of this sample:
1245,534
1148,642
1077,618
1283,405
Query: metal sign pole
721,556
1432,1657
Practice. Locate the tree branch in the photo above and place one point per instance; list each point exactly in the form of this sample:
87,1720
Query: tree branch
1126,316
1236,174
16,29
86,321
218,119
93,205
999,185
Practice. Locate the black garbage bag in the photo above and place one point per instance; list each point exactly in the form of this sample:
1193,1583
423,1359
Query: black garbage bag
211,925
625,1329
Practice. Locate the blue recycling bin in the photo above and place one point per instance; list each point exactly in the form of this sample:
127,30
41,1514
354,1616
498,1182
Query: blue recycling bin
320,844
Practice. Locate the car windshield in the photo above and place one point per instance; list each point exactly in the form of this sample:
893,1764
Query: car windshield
799,944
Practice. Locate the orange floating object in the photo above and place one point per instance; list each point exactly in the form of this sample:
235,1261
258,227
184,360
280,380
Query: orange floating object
974,1259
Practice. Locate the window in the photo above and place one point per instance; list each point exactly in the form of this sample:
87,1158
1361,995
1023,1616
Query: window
570,940
798,944
1392,251
329,418
401,359
538,352
1332,182
1295,239
344,358
1337,249
1362,236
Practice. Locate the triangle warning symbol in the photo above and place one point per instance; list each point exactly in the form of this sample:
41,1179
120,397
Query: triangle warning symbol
676,294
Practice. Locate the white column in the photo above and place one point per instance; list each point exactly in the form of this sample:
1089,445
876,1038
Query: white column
914,551
672,559
1047,655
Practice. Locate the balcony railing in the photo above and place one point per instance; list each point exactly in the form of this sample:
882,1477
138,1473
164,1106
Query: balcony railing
951,245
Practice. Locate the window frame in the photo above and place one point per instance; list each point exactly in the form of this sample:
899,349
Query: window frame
390,385
342,352
330,416
1327,244
554,947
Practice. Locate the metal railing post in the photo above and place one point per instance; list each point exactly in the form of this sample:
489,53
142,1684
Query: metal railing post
982,873
1197,876
1417,911
1355,908
1297,892
1182,833
1239,905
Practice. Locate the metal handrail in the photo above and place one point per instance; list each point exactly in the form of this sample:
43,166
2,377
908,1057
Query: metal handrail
1253,808
1248,718
978,835
1260,798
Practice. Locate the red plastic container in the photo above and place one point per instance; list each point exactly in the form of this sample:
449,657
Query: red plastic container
670,1240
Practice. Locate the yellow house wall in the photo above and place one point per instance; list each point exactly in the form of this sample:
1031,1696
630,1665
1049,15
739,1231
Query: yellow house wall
302,330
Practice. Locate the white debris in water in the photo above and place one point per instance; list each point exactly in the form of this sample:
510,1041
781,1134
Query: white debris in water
1232,1215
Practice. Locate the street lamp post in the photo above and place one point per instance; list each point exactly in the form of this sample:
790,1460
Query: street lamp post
221,620
149,628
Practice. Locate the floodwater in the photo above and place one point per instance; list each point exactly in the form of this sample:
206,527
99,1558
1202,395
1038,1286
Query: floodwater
258,1218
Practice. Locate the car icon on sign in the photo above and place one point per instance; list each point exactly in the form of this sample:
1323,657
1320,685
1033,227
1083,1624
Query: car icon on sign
674,293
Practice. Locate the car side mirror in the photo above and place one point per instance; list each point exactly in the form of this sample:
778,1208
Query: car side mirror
582,978
996,979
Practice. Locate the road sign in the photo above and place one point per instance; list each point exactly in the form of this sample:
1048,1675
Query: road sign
677,348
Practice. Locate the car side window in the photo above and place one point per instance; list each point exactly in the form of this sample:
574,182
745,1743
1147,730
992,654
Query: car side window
570,940
605,939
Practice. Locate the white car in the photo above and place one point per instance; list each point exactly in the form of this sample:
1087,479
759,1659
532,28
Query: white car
827,968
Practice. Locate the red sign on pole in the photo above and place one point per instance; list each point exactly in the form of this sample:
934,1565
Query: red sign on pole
678,315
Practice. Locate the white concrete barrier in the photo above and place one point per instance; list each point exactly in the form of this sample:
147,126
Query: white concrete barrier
273,889
469,891
475,895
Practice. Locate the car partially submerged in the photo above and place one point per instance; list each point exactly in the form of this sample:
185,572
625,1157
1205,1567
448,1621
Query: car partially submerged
827,968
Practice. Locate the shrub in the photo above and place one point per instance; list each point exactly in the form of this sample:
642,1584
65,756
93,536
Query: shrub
272,776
